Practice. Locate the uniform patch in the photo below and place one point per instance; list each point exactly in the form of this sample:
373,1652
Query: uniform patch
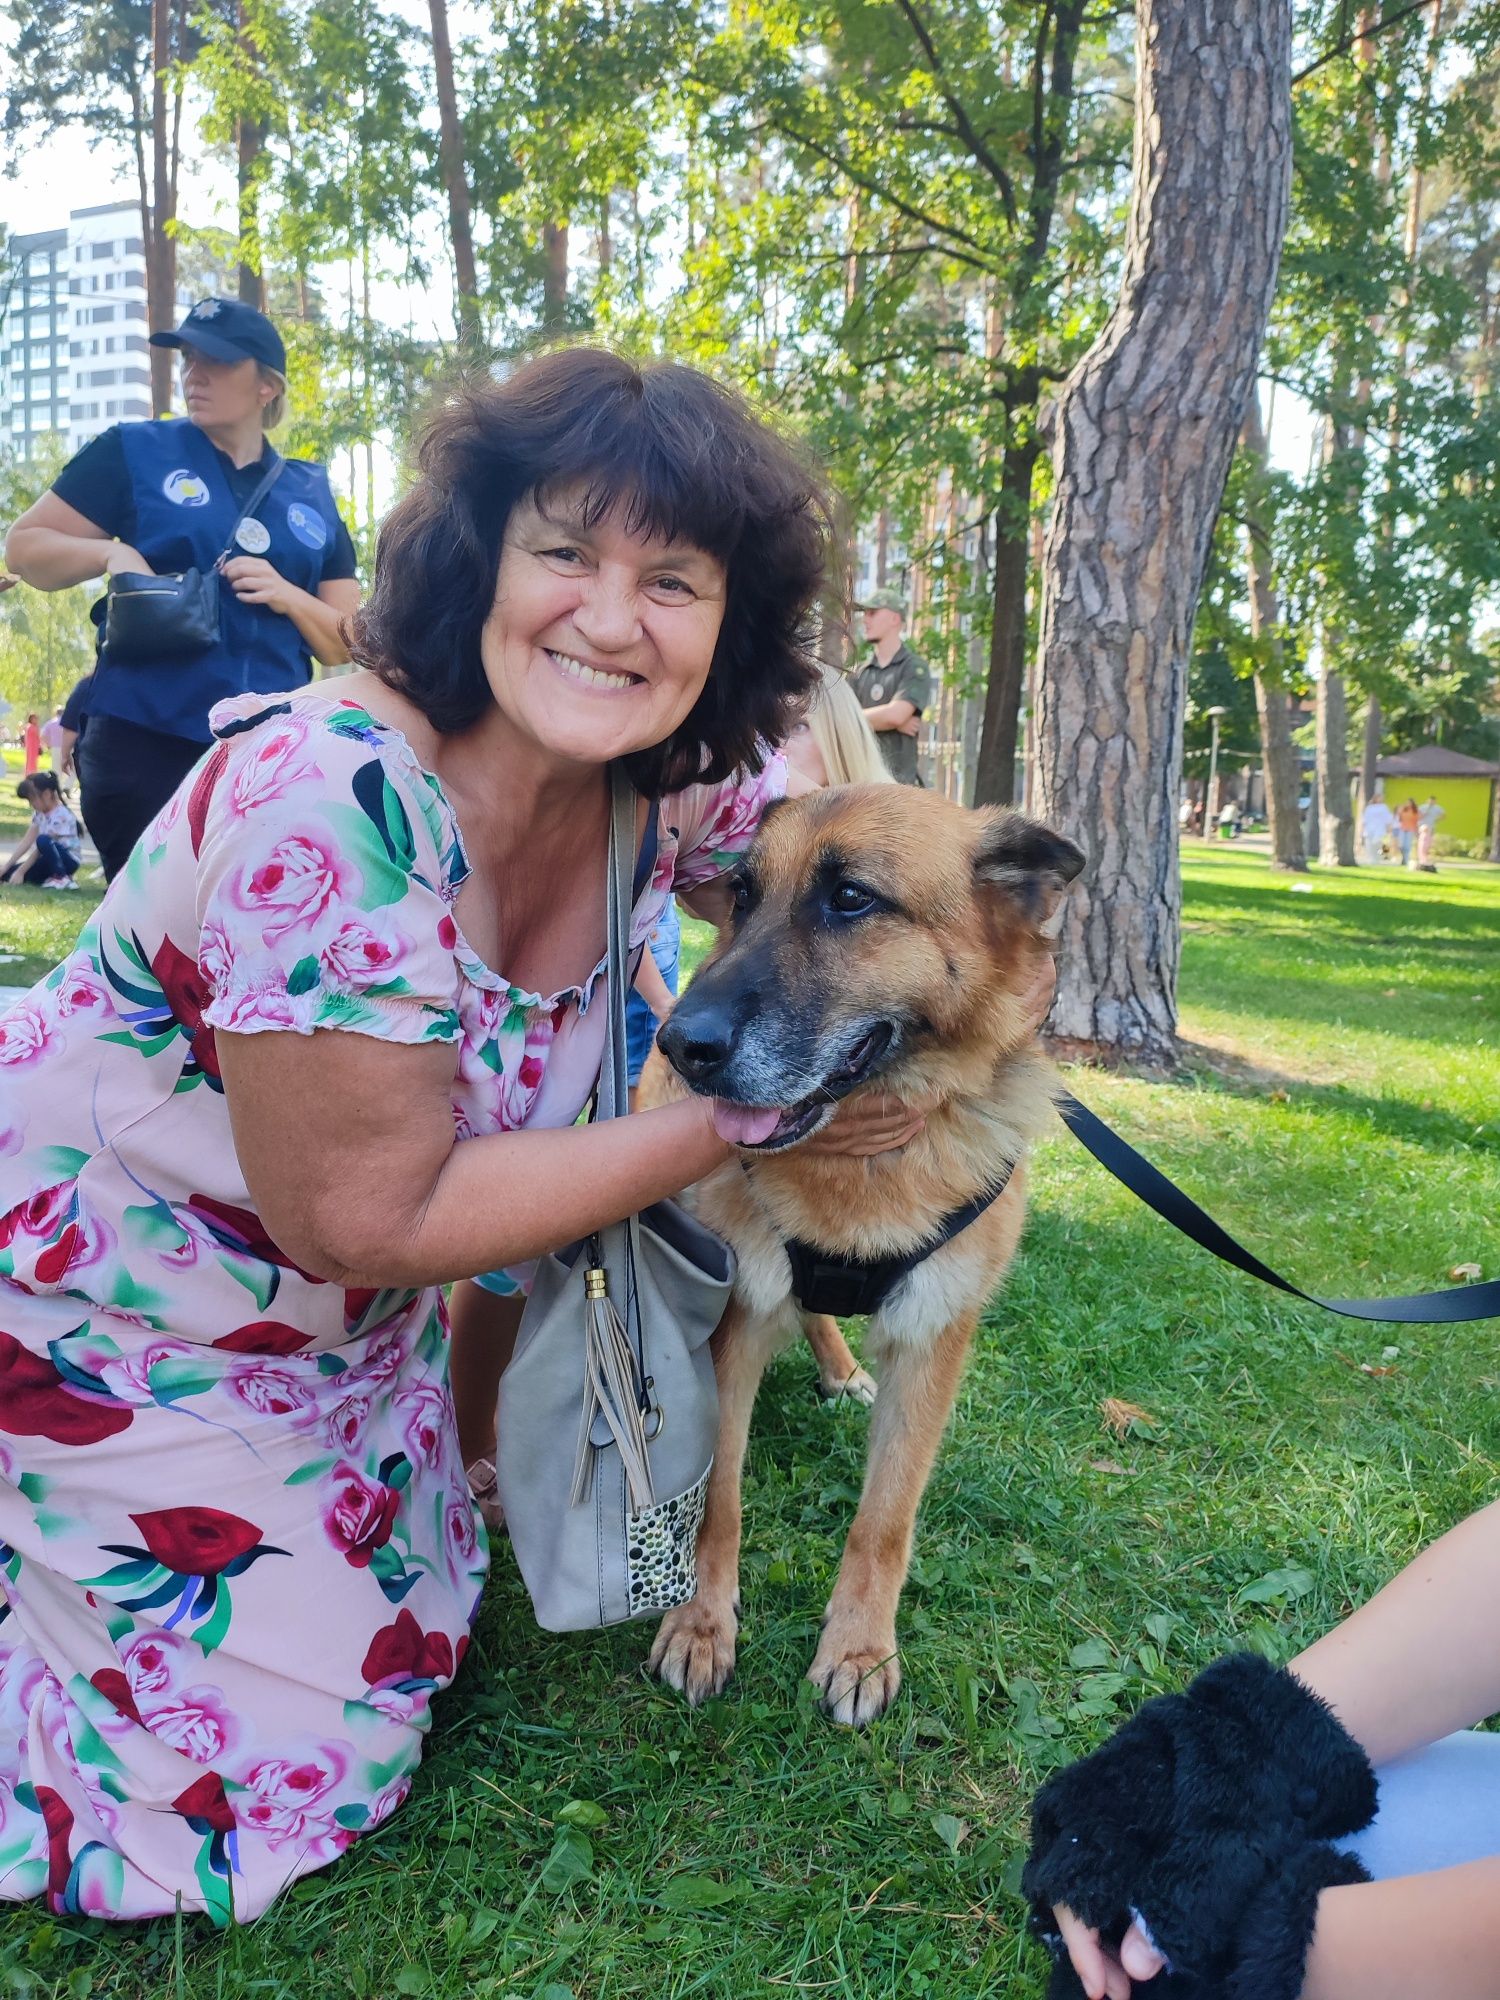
185,488
877,693
253,536
309,527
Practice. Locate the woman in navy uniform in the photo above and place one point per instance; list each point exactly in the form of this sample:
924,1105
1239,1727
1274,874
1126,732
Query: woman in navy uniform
152,498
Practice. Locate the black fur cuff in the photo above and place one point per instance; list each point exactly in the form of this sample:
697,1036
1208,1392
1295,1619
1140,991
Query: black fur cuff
1192,1815
1265,1958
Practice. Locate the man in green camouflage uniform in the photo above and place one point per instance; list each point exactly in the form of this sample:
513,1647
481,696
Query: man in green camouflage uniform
895,686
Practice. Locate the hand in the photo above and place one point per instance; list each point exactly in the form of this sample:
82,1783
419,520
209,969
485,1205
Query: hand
911,727
874,1124
123,560
254,581
1102,1973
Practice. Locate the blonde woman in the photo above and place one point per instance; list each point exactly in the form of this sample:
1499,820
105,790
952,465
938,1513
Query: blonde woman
201,492
833,744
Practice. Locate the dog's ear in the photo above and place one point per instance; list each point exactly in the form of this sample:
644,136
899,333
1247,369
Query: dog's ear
1030,862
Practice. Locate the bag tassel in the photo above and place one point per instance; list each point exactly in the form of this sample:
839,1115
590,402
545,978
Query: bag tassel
610,1392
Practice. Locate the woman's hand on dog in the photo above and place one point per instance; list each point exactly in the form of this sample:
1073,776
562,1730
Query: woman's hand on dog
1106,1974
873,1124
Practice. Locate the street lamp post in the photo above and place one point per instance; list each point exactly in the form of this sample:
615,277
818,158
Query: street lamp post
1211,802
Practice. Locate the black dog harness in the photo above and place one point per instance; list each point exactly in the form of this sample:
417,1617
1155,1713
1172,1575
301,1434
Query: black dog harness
825,1282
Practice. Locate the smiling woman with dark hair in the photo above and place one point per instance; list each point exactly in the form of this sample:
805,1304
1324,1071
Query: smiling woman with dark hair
323,1049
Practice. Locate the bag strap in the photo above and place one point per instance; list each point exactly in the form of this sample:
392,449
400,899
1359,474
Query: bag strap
263,486
614,1073
1150,1185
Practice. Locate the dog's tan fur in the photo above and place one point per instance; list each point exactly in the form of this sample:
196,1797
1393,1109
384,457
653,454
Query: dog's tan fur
957,958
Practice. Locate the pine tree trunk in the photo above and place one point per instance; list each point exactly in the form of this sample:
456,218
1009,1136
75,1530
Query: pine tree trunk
995,775
1278,751
1335,813
555,276
1370,753
161,253
455,178
249,144
1145,435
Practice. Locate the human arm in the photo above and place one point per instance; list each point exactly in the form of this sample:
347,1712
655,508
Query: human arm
318,617
384,1193
899,714
653,989
21,853
67,743
53,546
1421,1659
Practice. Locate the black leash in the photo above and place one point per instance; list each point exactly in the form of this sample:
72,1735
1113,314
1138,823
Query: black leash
1150,1185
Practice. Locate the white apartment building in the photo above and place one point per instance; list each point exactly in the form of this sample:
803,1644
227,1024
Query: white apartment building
73,352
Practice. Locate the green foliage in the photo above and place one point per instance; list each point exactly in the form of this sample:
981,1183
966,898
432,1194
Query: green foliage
46,636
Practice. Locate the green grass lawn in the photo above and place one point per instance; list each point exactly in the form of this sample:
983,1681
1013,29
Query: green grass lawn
575,1831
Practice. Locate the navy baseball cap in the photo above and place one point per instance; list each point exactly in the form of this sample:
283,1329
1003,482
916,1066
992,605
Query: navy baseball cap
228,330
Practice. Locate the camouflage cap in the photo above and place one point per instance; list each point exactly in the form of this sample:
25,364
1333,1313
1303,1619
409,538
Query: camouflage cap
883,600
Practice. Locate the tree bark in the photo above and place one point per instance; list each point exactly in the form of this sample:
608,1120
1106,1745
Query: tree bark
1370,751
1052,91
455,178
1335,812
1278,751
161,250
995,774
555,276
1145,435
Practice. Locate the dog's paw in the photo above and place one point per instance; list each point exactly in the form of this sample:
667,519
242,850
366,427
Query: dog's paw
857,1685
694,1650
856,1388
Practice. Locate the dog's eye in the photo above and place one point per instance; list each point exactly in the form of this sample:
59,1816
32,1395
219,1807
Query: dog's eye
851,899
739,893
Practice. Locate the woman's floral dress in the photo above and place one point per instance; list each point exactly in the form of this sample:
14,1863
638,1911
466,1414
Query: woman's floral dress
238,1554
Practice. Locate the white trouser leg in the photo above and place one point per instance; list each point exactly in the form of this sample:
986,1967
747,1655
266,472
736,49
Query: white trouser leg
1438,1807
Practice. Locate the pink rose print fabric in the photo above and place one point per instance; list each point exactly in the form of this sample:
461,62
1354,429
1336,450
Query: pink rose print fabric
238,1555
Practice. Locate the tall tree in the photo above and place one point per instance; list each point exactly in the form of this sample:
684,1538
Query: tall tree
455,179
115,69
1146,432
1279,761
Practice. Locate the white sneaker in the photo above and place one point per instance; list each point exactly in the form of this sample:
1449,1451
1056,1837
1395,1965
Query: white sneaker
59,882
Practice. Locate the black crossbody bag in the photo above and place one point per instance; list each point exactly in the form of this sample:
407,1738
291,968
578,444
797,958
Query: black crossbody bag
148,619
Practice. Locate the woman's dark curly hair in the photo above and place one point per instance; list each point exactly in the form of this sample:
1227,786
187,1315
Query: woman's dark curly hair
682,458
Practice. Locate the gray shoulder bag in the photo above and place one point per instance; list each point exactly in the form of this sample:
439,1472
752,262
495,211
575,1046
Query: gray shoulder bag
608,1412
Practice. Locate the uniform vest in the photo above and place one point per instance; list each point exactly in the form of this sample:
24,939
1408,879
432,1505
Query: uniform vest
184,512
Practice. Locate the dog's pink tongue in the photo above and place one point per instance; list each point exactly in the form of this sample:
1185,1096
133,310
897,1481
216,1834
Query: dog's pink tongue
745,1124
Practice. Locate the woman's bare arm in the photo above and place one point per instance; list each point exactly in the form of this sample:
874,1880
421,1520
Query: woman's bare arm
52,546
348,1150
1422,1658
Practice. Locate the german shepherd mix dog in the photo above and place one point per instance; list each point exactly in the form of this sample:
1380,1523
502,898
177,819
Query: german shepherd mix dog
882,937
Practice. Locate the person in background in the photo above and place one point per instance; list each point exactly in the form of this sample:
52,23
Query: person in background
52,738
652,996
72,723
1428,815
155,497
1375,824
31,744
50,849
1408,820
895,686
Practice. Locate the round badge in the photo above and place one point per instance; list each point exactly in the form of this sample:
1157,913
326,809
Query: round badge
253,536
877,693
185,488
306,525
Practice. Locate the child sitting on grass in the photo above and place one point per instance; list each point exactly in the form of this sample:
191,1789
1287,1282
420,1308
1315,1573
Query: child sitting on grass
52,844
